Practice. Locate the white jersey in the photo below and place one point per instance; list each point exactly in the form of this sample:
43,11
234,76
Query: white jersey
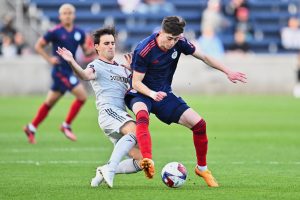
110,85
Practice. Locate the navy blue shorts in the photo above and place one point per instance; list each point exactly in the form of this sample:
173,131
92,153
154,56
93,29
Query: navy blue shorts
63,82
169,110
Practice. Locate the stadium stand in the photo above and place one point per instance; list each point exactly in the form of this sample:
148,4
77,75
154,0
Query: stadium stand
266,17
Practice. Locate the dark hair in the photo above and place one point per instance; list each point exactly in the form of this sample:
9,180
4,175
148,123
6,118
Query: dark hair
173,25
103,31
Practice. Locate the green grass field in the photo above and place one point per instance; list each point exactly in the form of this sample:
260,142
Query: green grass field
254,152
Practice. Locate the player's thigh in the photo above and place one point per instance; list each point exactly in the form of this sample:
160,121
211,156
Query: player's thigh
111,120
189,118
128,127
170,109
79,92
135,153
137,102
53,97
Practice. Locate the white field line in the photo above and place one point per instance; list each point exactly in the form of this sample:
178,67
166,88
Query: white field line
85,149
76,162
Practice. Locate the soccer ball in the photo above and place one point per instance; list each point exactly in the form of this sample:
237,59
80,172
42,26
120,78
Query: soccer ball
174,174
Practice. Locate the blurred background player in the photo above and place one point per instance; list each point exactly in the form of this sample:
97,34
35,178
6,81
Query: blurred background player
290,36
110,82
67,35
154,63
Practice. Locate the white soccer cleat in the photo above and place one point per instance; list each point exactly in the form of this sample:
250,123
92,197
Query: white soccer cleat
97,180
108,175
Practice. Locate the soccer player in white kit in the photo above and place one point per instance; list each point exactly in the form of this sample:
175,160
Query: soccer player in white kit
110,82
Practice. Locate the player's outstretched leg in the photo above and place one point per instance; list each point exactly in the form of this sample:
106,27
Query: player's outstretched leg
207,176
98,179
67,131
148,167
30,133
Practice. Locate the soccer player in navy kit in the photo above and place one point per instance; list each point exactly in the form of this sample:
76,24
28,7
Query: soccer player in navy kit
69,36
154,63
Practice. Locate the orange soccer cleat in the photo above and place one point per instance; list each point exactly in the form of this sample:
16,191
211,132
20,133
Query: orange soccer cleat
148,166
207,176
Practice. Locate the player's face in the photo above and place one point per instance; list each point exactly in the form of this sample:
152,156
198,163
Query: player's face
106,48
167,40
67,16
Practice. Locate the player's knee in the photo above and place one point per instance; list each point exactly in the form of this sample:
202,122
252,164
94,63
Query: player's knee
81,100
200,127
128,128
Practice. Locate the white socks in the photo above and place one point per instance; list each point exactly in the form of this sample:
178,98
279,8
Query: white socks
202,168
31,127
128,166
121,149
65,125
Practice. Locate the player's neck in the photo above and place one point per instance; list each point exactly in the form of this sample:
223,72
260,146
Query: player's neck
68,27
106,60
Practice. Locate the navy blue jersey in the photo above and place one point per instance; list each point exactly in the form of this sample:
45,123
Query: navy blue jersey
60,37
159,66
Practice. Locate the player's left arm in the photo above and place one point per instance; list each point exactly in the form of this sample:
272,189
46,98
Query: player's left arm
84,74
138,85
233,76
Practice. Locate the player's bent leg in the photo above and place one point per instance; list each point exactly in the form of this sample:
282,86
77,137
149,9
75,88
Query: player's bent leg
144,139
192,120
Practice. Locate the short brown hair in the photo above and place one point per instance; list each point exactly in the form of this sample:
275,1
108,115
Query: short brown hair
103,31
173,25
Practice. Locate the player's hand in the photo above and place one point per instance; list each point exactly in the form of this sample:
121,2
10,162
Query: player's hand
237,76
54,60
65,54
158,96
128,59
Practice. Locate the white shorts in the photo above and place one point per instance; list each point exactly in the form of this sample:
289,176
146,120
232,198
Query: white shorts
110,120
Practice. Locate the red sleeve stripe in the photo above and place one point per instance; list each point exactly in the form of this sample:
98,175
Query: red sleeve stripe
147,48
182,38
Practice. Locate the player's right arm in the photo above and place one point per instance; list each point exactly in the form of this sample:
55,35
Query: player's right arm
40,48
84,74
139,86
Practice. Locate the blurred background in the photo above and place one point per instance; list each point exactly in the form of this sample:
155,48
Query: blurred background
258,37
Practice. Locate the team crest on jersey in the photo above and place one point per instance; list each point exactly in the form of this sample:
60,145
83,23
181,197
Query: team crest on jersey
77,36
174,54
73,80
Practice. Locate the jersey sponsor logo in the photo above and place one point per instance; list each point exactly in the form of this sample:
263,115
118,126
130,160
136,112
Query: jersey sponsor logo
119,78
174,54
77,36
